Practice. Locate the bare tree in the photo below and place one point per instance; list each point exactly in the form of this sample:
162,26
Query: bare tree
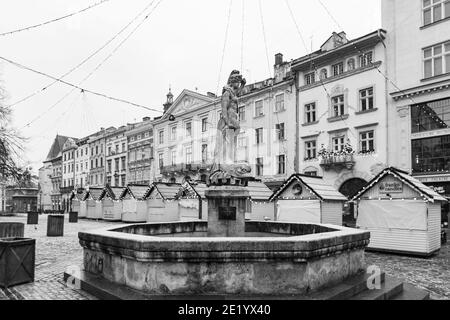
10,141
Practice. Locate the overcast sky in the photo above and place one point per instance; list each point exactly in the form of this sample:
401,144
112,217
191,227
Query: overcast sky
180,44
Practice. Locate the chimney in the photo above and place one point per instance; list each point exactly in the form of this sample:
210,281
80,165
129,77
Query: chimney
278,59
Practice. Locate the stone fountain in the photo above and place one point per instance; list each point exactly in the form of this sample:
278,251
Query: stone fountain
225,256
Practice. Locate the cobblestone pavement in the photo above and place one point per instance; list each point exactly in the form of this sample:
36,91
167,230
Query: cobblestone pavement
431,274
54,255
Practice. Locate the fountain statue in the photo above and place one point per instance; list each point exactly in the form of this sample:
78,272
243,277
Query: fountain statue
225,166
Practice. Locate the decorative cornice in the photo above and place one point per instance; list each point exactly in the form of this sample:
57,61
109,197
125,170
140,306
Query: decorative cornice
421,90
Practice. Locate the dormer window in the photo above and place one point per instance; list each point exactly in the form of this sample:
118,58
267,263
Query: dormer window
323,74
338,69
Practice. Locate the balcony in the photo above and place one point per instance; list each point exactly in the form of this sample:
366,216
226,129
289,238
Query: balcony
185,168
66,189
337,162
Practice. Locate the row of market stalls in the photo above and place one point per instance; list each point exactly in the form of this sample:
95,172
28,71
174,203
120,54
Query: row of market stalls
402,214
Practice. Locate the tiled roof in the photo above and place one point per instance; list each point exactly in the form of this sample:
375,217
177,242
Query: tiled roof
320,187
111,192
57,147
168,191
259,191
198,189
94,193
137,192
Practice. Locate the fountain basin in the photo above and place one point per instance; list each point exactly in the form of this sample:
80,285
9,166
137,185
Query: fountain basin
180,259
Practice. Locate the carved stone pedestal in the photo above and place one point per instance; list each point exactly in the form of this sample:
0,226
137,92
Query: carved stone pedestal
226,210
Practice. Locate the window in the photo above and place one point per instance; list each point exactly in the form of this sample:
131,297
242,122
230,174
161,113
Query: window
124,163
323,74
435,10
124,180
311,173
338,143
338,106
96,149
279,102
436,60
204,124
173,133
109,166
109,151
259,108
259,167
161,160
430,116
101,162
124,147
338,69
310,150
96,163
350,64
242,114
173,157
310,78
259,135
281,159
117,148
138,137
204,153
310,113
116,181
188,129
431,155
365,59
366,99
161,137
280,131
242,142
188,155
366,142
116,164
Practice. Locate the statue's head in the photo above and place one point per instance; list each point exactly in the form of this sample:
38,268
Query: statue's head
235,79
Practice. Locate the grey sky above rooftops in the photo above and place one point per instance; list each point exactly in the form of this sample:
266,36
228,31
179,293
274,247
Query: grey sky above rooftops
179,45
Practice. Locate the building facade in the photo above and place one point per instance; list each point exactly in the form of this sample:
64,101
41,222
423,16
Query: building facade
82,163
116,157
418,53
97,157
68,172
140,153
342,111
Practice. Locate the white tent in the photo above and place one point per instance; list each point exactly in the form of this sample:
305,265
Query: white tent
78,203
402,214
308,199
192,203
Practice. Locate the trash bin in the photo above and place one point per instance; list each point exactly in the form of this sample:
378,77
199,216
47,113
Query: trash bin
17,261
55,226
32,218
73,217
11,230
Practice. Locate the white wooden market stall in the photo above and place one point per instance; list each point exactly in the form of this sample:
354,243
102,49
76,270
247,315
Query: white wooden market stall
162,203
111,205
134,203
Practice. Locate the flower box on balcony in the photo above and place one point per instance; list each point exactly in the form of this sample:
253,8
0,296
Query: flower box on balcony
338,162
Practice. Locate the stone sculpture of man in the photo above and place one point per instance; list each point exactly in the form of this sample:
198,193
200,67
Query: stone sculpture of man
228,128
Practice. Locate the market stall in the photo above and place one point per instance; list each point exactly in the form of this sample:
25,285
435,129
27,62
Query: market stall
78,203
93,205
134,204
111,205
261,208
162,205
308,199
192,203
402,214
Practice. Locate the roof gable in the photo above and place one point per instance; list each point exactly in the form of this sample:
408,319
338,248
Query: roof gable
56,148
168,191
406,179
137,192
190,190
316,187
187,101
93,194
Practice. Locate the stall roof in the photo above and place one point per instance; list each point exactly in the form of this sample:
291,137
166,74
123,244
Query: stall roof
78,195
405,178
198,189
112,192
94,193
319,186
168,191
138,192
259,191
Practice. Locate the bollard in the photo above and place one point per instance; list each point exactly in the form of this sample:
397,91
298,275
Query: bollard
32,218
55,226
73,217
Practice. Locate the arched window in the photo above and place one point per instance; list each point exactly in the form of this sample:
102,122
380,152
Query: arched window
172,180
323,74
351,64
